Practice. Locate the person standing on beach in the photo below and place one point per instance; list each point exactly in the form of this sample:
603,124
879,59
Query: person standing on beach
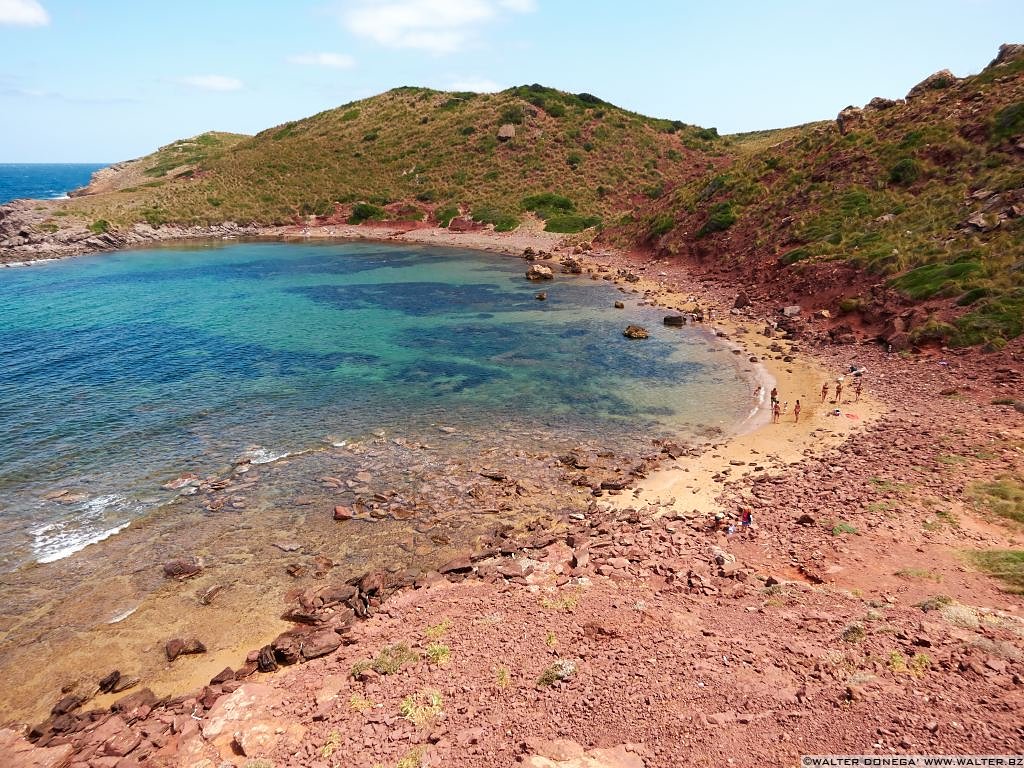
839,392
796,412
824,392
776,412
857,385
775,396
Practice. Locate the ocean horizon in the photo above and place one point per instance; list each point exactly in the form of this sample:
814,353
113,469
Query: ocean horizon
43,181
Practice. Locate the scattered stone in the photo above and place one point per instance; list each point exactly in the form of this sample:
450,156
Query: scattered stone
343,513
182,568
178,647
676,321
620,305
636,332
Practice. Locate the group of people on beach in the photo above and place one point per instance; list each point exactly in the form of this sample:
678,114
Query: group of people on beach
777,410
858,385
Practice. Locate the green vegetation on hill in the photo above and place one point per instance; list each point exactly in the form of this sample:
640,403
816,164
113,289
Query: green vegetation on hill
184,155
440,152
924,195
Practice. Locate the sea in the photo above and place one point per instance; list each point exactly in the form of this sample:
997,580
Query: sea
124,370
43,180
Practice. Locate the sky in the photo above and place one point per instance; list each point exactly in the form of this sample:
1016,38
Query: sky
109,80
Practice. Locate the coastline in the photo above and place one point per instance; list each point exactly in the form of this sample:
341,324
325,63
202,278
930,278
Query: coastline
685,494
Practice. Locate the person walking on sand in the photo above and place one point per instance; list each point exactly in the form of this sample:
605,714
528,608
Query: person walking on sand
796,412
857,385
775,396
824,392
839,392
776,412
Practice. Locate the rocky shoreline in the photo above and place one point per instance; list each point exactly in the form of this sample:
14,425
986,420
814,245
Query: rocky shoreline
642,632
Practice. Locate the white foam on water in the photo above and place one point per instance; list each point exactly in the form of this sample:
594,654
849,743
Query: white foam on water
261,455
55,541
119,617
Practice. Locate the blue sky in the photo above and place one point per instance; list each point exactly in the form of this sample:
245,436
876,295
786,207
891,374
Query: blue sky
108,80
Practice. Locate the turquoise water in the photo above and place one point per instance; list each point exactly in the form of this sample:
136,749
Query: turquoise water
124,370
43,180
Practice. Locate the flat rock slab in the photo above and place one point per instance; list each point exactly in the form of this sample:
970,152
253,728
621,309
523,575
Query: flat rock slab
568,754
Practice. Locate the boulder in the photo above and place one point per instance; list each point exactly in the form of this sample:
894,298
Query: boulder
878,104
941,79
848,118
343,513
791,311
1008,52
463,224
742,300
635,332
676,321
571,266
539,272
319,644
507,132
620,305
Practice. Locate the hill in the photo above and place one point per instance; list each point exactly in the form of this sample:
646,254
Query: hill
919,200
412,153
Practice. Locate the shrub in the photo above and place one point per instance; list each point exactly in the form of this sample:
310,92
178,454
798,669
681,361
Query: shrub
1008,122
905,172
99,226
722,217
370,136
554,109
352,114
502,221
574,160
661,224
445,215
364,212
570,223
513,114
707,134
548,204
792,257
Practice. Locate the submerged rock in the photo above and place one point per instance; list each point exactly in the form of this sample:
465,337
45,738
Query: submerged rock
179,647
635,332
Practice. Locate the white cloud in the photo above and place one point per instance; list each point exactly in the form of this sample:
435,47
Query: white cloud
438,26
23,13
212,82
474,84
329,60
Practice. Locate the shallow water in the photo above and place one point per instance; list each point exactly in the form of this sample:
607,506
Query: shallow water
122,371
